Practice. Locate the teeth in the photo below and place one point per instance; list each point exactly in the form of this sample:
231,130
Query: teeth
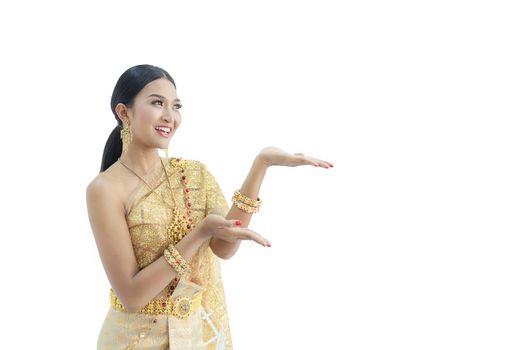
163,129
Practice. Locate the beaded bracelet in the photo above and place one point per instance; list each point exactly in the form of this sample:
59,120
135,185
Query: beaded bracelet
245,208
180,260
176,260
246,200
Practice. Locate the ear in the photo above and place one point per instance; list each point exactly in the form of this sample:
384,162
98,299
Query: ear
122,112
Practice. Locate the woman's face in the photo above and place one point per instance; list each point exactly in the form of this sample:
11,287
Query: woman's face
156,105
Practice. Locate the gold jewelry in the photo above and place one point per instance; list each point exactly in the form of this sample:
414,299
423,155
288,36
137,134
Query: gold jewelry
161,306
247,200
176,261
181,307
126,135
181,227
246,204
180,224
245,208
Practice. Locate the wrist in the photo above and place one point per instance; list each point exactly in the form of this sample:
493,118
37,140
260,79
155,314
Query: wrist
202,232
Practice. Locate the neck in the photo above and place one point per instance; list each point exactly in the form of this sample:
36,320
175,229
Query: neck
142,161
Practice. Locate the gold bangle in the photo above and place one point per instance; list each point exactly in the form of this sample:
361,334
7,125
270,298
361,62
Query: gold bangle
180,260
245,208
171,260
176,261
247,200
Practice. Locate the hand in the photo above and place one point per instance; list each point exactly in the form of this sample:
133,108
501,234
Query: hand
215,225
276,156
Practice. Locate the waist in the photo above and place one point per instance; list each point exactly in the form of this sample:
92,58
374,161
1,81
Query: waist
179,306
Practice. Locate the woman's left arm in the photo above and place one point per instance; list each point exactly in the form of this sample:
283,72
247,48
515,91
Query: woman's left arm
269,156
250,188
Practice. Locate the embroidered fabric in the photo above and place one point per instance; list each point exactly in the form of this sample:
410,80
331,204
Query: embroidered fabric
147,217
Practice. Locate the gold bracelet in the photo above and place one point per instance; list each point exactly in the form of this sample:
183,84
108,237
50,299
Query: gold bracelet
245,208
180,260
176,261
180,269
247,200
171,260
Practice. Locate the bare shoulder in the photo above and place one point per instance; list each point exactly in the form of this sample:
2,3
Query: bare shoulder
99,184
106,186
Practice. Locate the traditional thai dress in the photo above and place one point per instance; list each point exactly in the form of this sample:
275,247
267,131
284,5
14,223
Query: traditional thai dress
207,326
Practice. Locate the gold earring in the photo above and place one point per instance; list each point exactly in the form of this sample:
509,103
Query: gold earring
125,136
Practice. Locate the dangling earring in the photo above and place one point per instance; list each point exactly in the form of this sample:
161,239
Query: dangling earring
125,136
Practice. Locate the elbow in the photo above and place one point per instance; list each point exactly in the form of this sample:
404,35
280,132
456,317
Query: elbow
226,257
220,251
129,302
131,306
134,303
231,253
221,255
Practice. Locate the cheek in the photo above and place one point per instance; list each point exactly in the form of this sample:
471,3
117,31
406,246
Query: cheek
151,110
148,115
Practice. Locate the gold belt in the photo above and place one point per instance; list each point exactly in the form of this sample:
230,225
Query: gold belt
180,307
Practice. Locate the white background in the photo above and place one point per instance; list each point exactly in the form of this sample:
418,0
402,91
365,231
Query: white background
414,240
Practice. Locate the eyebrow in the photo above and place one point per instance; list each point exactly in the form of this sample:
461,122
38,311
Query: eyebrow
157,95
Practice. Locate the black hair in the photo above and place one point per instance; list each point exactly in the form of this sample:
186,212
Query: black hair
130,83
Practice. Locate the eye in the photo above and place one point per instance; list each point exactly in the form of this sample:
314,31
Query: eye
157,101
178,105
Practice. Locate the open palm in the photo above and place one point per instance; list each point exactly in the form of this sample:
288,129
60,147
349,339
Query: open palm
276,156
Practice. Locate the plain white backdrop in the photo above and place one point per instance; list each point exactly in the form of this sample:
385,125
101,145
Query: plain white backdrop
414,240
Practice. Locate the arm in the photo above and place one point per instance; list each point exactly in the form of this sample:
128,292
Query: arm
134,287
250,188
269,156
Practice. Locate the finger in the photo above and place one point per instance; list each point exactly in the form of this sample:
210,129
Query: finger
309,160
248,234
322,163
306,160
261,240
327,163
234,222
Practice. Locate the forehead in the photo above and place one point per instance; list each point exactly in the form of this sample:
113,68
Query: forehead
162,87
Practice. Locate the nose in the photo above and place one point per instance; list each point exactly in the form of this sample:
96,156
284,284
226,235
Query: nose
169,116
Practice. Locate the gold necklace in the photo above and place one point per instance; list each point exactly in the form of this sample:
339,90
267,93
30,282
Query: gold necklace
180,225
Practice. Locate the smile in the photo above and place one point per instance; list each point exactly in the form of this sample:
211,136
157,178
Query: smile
163,131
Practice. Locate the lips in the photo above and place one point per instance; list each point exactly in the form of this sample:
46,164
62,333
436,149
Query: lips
163,131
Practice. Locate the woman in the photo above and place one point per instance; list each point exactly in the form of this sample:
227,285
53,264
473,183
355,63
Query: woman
161,223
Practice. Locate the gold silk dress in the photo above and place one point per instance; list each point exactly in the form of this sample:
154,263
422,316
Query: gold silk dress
207,326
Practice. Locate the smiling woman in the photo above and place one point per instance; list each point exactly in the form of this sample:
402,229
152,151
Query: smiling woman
144,95
146,224
161,224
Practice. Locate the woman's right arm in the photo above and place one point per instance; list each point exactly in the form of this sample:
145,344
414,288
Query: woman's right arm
134,287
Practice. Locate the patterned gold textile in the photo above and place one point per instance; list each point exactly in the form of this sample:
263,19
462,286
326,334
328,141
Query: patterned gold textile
148,217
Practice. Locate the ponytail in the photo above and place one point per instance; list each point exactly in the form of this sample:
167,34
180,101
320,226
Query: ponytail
112,150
